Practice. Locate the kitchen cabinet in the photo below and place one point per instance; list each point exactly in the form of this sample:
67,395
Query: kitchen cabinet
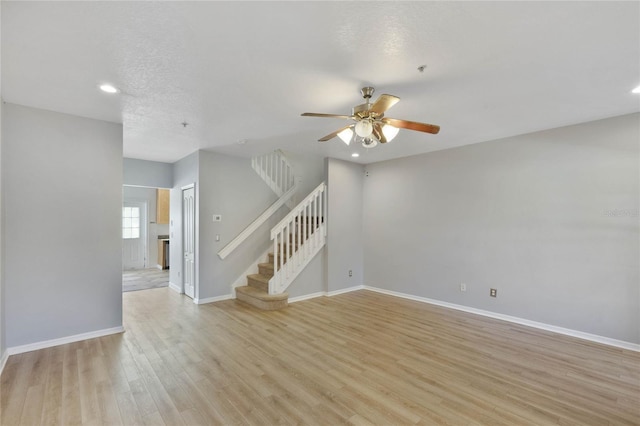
162,206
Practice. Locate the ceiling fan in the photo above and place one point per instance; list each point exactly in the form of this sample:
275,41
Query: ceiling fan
370,123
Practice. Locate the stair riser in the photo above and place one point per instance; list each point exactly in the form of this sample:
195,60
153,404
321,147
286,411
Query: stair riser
267,272
262,304
291,246
310,220
309,233
271,256
258,284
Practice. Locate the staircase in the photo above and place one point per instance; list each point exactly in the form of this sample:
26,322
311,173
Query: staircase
296,240
256,293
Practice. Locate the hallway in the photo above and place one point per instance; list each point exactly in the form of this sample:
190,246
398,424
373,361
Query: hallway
143,279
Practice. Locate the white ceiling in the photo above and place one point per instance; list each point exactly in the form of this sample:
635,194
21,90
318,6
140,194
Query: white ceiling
246,70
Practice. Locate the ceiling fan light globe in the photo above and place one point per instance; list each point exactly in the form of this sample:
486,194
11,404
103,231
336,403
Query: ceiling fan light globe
346,135
364,128
389,132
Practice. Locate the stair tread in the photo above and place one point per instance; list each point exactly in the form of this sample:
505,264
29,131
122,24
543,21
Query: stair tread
259,294
259,277
266,265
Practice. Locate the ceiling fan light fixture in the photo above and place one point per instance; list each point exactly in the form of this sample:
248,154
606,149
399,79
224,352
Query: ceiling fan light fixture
369,124
369,143
364,128
389,132
346,135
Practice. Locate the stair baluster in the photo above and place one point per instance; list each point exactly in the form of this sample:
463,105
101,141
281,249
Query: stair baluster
297,239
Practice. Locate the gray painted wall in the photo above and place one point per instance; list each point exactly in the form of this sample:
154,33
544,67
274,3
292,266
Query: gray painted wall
63,192
309,170
185,172
151,174
550,219
345,232
312,279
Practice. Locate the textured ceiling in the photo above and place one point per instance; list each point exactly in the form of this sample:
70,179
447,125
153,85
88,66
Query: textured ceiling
246,70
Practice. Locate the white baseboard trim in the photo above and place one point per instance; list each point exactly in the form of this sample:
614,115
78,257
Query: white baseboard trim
345,290
534,324
175,287
3,360
307,297
213,299
325,294
64,340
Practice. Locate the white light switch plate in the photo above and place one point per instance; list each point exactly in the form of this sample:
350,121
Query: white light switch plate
217,218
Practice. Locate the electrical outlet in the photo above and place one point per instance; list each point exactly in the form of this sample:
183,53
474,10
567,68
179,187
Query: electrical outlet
463,287
493,292
350,273
217,218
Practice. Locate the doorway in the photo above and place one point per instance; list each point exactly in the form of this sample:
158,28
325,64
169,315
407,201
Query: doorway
145,231
134,235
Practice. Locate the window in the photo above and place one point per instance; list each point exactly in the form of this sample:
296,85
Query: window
130,222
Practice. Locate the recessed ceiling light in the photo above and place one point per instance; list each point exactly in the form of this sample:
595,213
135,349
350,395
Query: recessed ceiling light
108,88
636,90
355,154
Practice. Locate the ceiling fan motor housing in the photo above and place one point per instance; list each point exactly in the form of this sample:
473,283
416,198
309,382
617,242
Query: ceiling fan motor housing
367,92
362,111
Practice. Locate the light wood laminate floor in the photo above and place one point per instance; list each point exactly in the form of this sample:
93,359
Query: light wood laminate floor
360,358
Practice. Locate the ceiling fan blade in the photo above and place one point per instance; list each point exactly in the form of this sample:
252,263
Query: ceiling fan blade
316,114
412,125
377,132
334,134
383,103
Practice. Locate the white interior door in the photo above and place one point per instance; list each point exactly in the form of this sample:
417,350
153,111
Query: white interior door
188,240
134,235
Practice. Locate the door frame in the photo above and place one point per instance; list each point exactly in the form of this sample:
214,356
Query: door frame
195,240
